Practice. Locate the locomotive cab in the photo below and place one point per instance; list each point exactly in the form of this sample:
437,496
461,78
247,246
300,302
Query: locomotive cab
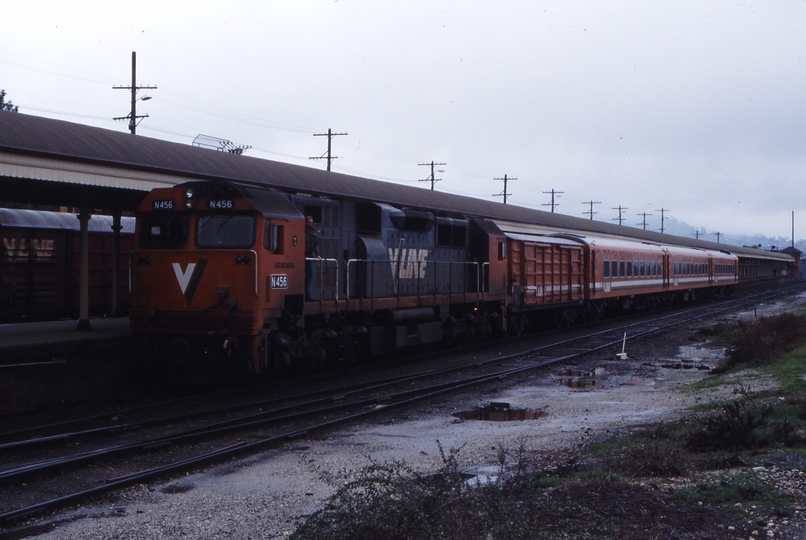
213,262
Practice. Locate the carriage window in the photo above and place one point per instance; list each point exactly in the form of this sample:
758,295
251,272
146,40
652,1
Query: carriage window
629,268
502,250
614,268
273,238
606,269
621,269
225,231
163,232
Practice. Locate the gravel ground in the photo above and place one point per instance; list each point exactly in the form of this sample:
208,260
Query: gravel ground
265,495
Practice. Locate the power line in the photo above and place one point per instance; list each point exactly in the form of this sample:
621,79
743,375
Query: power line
619,218
330,136
552,203
662,218
503,193
591,212
431,179
132,116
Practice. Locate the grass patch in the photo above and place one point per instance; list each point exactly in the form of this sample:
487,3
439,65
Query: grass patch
789,370
710,383
743,488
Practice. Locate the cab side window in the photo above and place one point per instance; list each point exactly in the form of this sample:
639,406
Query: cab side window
273,238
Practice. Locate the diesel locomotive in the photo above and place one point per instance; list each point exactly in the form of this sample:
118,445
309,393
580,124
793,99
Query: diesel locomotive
219,272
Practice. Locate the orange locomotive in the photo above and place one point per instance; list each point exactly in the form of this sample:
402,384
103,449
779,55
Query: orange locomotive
220,272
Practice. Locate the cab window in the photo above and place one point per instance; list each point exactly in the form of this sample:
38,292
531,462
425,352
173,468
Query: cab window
273,239
225,231
163,231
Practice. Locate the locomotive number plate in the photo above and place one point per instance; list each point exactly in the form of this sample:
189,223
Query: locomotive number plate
162,205
220,204
278,281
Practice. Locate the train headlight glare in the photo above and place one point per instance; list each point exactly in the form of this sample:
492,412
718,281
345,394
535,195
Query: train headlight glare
188,204
189,193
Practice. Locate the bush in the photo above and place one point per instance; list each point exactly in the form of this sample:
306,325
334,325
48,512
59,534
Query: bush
391,502
764,340
748,423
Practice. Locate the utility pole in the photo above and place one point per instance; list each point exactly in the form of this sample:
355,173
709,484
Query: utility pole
552,204
696,234
431,179
132,116
591,212
503,193
619,218
662,217
718,235
330,136
644,222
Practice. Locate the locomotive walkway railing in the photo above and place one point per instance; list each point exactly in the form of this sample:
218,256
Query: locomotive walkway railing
415,268
322,269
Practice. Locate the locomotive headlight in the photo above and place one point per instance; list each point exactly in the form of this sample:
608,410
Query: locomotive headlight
189,198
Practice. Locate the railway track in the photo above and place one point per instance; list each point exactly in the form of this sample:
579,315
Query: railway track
213,435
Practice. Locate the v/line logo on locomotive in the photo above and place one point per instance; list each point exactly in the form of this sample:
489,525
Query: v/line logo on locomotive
412,262
16,249
189,278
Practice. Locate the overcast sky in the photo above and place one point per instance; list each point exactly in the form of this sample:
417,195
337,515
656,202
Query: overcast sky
693,106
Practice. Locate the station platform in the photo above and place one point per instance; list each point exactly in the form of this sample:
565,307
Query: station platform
54,340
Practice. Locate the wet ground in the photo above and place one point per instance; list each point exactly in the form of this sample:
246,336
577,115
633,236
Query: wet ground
264,496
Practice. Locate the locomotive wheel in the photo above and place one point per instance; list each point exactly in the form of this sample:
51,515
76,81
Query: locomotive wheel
282,361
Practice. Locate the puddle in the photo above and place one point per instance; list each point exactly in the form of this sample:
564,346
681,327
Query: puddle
481,476
695,357
593,379
694,352
498,412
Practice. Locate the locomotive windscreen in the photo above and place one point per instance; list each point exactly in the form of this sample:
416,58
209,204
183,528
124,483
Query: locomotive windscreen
163,232
225,231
